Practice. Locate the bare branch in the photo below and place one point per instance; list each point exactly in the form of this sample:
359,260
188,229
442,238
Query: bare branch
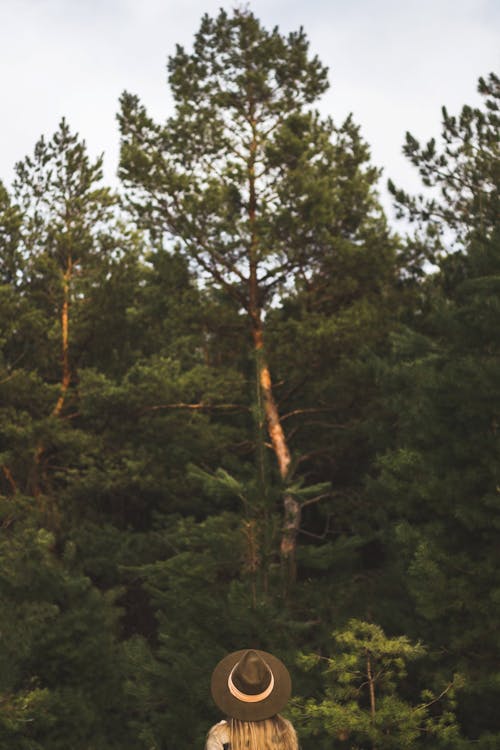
312,454
312,410
194,407
316,499
325,533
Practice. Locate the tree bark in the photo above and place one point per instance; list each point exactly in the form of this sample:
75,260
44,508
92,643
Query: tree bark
66,371
65,374
371,685
291,507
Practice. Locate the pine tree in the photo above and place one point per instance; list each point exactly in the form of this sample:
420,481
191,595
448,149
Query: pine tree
461,177
94,367
64,247
440,485
251,183
362,703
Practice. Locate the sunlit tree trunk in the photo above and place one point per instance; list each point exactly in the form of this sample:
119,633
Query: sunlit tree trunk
291,508
66,370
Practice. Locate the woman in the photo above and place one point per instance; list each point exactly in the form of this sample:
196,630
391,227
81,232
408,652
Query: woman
251,687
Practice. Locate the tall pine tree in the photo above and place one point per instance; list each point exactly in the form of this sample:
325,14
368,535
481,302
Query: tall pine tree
253,185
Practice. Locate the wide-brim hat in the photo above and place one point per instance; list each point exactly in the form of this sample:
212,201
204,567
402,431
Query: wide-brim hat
251,685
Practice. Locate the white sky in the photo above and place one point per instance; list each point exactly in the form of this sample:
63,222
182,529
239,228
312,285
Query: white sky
393,63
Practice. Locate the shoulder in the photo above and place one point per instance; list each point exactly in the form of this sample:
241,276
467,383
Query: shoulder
219,729
217,736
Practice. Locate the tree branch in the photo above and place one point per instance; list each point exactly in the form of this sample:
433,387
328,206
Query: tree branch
194,407
435,700
8,475
312,410
316,499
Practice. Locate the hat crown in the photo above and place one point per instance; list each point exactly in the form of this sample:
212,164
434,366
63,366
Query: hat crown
250,685
251,675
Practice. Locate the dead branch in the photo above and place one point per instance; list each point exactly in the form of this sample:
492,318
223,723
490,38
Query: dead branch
194,407
312,410
316,499
313,454
325,533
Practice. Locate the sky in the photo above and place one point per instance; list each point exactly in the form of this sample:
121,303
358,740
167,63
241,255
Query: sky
392,63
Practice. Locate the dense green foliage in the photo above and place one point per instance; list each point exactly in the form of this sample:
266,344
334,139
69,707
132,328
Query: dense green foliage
368,669
141,502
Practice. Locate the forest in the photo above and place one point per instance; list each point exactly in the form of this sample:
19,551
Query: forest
241,409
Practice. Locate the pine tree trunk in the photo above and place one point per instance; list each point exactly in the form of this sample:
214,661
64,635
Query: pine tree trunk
291,507
371,686
65,374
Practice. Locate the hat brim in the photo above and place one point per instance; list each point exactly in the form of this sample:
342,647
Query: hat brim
238,709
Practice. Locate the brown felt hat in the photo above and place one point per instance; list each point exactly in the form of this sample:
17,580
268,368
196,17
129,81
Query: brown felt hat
251,685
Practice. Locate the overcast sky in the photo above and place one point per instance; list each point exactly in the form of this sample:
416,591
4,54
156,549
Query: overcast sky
393,63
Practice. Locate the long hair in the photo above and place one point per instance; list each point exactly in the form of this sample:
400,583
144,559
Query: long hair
275,733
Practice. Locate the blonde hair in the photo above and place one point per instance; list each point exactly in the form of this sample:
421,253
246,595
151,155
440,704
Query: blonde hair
275,733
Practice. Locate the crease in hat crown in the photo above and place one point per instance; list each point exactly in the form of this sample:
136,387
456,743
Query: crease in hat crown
250,685
251,680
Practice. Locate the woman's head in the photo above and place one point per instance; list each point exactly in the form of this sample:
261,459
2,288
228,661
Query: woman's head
274,733
251,685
